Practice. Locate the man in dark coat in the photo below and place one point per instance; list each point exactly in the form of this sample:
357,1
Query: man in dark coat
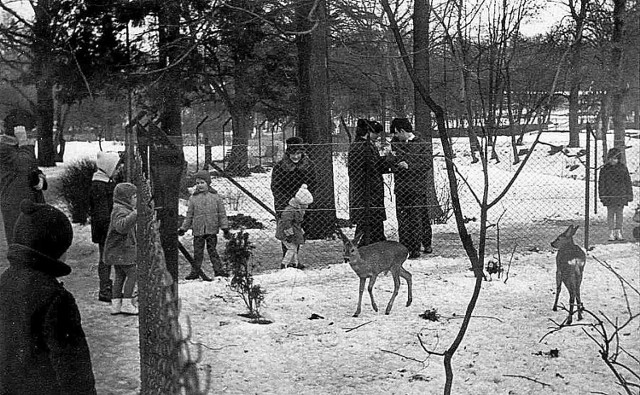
20,177
414,225
43,349
289,174
366,185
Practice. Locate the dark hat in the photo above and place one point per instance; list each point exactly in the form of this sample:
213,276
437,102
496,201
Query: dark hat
614,153
203,175
294,143
401,123
123,191
363,127
45,229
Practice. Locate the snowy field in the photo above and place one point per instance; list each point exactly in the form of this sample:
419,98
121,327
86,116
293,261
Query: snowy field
375,353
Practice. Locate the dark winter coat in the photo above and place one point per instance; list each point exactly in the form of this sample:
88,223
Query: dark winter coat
414,179
287,178
206,214
366,185
290,223
101,196
43,348
19,174
614,185
120,246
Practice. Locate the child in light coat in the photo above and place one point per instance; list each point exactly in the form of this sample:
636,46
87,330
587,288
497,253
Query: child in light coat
120,248
206,215
289,228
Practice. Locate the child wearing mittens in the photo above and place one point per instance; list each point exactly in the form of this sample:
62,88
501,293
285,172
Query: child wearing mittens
289,227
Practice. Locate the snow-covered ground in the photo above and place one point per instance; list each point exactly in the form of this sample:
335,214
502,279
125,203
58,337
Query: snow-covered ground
375,353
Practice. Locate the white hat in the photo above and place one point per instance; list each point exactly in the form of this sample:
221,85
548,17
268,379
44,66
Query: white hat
304,196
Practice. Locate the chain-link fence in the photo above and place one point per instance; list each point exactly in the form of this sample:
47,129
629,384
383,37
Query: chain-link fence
365,188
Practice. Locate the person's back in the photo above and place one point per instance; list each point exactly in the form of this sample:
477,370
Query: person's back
43,348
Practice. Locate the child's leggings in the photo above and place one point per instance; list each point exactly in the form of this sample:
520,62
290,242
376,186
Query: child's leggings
125,282
291,256
614,216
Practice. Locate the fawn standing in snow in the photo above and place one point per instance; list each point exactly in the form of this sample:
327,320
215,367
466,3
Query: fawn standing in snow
370,260
570,261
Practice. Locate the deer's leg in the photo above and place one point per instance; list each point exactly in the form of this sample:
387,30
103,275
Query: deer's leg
578,300
407,276
372,281
572,302
362,281
396,287
558,288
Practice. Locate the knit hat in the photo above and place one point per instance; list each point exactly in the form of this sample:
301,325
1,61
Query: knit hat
303,196
401,123
294,144
123,191
45,229
203,175
614,153
107,162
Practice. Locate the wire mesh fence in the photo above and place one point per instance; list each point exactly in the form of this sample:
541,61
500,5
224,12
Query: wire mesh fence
365,189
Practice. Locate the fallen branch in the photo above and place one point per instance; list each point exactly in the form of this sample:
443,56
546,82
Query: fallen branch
527,378
400,355
356,327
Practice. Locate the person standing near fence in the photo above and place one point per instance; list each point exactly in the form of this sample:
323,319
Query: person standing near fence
289,174
411,186
120,248
43,348
615,191
289,229
366,185
20,177
100,205
206,215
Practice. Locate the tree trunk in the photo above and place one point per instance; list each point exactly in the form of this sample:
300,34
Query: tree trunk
619,90
421,39
574,127
238,160
314,115
43,73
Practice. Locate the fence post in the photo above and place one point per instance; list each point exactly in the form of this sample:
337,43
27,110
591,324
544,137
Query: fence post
587,173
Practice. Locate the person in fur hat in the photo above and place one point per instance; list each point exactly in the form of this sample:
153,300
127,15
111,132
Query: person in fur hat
206,215
289,228
20,177
615,191
120,248
289,174
100,205
43,348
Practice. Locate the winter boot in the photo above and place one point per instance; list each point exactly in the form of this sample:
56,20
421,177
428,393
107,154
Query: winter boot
129,306
619,235
116,306
612,235
192,276
104,295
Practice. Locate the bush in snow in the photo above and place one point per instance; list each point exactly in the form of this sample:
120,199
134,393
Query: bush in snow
74,189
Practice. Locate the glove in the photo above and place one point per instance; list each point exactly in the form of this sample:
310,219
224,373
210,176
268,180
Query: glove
226,234
181,232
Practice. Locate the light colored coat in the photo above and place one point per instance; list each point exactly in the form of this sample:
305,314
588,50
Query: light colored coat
206,214
120,246
290,223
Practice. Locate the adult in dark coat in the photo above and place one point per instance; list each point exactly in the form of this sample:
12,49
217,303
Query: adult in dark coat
43,349
289,174
412,211
20,177
100,205
615,191
366,185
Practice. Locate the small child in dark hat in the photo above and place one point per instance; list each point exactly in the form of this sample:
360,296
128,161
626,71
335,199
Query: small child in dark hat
120,248
206,215
289,227
43,347
615,191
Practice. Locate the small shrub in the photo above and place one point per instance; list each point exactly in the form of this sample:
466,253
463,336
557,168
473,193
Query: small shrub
74,189
237,255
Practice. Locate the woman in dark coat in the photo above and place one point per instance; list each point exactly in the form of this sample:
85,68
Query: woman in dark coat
20,177
43,349
615,191
366,185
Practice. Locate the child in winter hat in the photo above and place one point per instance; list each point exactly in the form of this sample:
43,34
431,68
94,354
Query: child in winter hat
42,344
615,191
289,228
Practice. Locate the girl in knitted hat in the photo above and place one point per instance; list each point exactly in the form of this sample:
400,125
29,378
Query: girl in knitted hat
615,191
120,248
289,228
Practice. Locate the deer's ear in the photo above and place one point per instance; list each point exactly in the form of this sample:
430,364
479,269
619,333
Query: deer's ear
574,229
569,231
356,240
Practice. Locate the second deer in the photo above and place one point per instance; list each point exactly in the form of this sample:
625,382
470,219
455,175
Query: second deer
371,260
570,261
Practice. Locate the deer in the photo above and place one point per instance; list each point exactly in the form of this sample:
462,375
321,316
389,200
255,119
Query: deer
570,261
371,260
